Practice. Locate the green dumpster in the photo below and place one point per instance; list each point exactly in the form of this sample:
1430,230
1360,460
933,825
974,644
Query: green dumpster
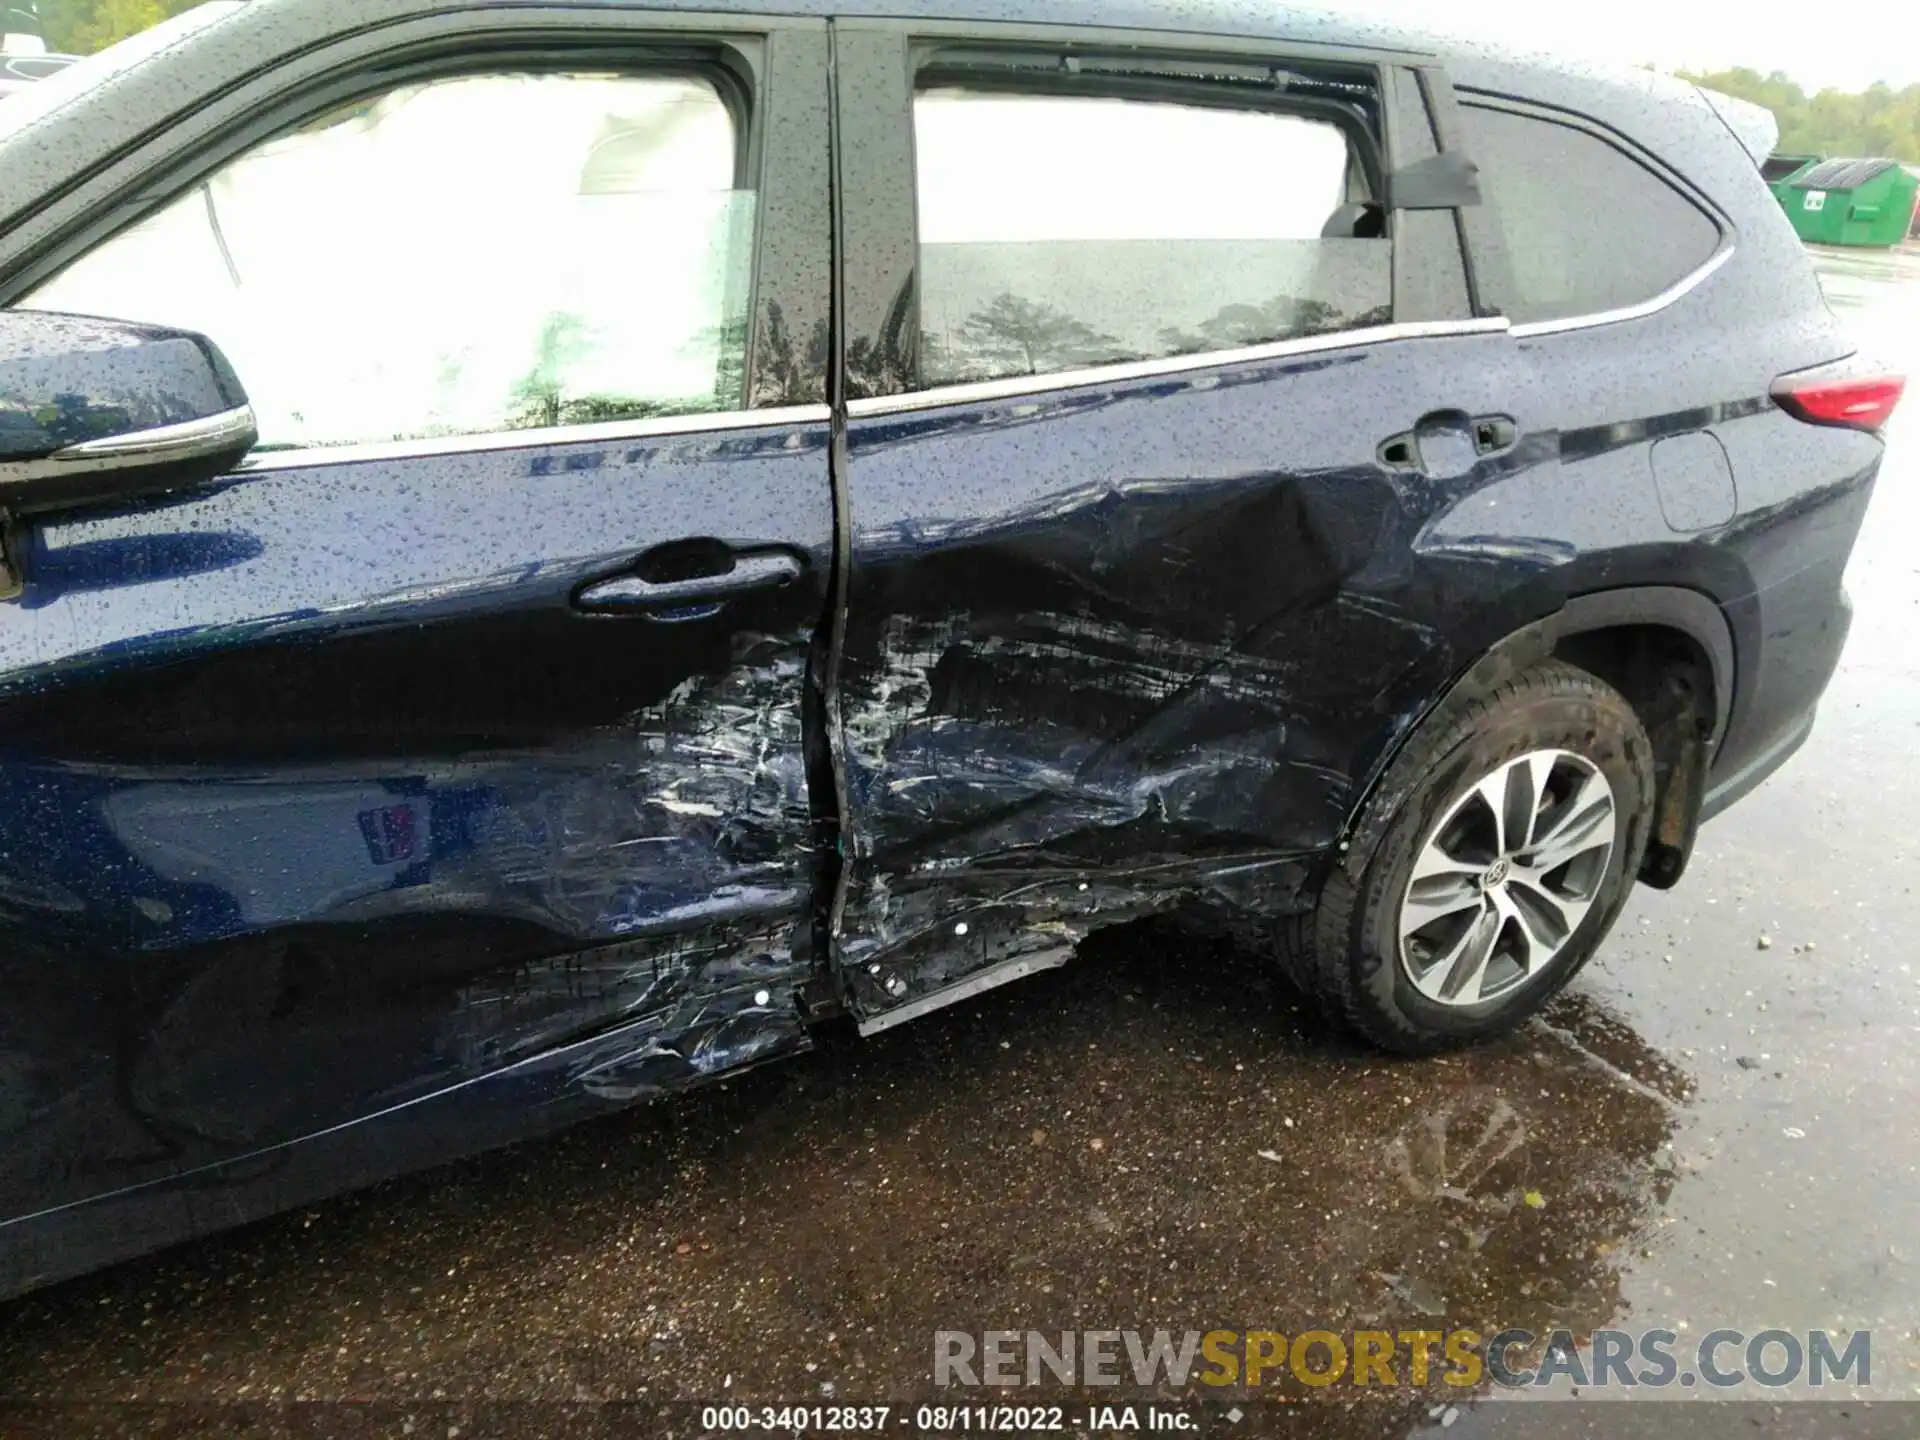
1851,202
1779,170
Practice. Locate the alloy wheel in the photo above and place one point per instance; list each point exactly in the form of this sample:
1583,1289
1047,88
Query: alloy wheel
1503,881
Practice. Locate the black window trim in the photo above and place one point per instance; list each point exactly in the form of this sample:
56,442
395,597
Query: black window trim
921,41
1426,269
1484,231
435,56
1149,77
732,52
1477,234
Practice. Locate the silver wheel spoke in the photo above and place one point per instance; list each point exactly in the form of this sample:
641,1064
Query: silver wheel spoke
1437,897
1434,863
1585,823
1492,793
1475,925
1463,968
1537,923
1531,776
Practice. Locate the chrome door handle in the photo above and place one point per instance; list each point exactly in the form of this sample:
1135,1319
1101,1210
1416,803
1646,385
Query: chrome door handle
702,594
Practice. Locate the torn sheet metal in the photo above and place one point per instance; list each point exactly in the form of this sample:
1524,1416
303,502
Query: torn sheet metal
433,924
1134,667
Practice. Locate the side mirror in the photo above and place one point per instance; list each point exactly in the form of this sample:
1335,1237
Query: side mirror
96,410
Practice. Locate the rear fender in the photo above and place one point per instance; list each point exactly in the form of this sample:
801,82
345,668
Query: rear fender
1684,726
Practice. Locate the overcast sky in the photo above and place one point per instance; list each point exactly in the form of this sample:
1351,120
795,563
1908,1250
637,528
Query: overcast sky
1846,45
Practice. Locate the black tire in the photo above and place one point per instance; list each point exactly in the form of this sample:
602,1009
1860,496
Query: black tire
1347,950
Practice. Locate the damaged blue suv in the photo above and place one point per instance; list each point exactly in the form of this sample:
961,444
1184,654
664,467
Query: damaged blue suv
551,550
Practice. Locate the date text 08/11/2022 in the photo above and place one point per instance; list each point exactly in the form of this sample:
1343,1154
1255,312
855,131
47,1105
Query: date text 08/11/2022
949,1419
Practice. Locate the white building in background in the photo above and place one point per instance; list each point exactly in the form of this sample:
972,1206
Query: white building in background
24,57
20,29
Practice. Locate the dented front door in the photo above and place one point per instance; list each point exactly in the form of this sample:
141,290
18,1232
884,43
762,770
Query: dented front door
378,768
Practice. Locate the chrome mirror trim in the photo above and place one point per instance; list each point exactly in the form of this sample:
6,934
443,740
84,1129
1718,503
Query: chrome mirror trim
212,437
189,440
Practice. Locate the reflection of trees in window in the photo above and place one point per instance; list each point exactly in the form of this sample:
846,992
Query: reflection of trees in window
729,340
1016,336
1285,317
540,399
537,399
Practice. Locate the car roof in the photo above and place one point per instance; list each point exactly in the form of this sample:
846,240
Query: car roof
1614,93
1299,24
1473,61
1257,20
1647,107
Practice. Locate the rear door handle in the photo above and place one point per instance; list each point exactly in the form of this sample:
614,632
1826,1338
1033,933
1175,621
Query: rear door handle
695,597
1447,443
1494,433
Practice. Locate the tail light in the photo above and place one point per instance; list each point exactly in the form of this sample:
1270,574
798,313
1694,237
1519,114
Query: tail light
1859,402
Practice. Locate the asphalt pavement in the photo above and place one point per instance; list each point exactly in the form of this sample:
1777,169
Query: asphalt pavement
1714,1127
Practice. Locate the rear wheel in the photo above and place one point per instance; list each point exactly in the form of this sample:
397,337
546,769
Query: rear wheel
1498,852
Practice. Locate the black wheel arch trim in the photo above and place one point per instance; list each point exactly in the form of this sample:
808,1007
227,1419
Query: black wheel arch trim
1672,607
1688,611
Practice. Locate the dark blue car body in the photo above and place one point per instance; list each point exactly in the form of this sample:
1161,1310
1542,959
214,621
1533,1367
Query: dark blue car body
335,838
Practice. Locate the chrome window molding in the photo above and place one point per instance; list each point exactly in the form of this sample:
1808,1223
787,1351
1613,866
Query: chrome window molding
603,433
1017,386
1673,293
1010,388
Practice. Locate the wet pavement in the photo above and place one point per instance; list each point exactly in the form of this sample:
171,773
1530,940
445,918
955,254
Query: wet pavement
1715,1126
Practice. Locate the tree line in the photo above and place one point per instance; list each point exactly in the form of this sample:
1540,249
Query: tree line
1874,122
80,27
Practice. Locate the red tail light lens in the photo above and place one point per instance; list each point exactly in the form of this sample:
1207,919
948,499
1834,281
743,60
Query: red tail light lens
1862,404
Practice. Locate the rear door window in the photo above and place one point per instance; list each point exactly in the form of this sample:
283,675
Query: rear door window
1059,232
1587,227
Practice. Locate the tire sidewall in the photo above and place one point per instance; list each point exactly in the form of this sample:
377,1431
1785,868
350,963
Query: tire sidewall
1611,738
